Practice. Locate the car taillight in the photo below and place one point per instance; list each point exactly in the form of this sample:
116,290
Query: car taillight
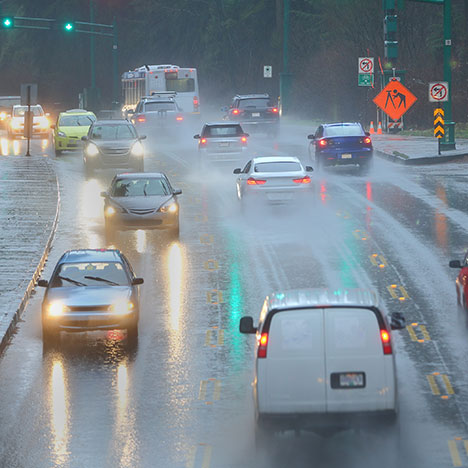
236,111
179,118
303,180
322,143
141,118
244,139
262,346
386,342
367,141
274,110
196,103
252,181
203,141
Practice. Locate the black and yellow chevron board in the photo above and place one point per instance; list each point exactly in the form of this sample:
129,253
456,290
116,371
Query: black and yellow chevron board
439,130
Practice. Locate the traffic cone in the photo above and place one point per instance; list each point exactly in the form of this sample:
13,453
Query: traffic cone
379,129
371,129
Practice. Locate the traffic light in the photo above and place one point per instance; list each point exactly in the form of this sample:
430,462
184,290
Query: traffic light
69,26
8,22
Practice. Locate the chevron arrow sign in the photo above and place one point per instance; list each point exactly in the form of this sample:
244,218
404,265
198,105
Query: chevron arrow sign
439,130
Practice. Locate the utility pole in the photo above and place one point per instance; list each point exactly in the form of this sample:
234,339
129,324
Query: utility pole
91,43
285,75
115,60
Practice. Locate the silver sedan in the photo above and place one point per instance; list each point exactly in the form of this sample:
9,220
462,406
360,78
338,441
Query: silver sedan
276,180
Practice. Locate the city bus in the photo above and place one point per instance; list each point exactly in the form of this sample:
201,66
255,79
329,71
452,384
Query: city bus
153,79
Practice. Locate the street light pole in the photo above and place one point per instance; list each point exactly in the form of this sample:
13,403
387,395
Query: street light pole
115,60
91,51
285,76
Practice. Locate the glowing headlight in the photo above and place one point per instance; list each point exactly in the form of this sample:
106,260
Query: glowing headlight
3,115
137,149
56,309
15,124
92,150
61,134
122,308
110,211
43,122
170,207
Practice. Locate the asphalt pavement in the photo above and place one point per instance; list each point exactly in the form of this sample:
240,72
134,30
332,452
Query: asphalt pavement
183,397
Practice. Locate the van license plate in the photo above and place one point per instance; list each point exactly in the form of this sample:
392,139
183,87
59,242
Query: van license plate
346,156
256,114
349,380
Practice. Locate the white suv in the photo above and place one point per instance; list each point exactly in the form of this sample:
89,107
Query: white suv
40,124
324,361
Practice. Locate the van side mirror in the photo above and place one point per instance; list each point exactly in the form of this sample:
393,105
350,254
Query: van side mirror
397,321
237,171
130,111
196,137
311,137
246,325
137,281
309,169
43,283
177,192
455,264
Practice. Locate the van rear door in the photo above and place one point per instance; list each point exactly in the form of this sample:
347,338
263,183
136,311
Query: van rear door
355,362
292,376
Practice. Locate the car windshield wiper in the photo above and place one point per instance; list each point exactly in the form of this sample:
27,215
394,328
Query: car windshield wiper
78,283
98,278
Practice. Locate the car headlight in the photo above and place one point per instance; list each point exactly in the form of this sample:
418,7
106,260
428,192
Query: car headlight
61,134
15,124
137,149
43,122
92,150
56,309
110,211
169,207
3,115
122,307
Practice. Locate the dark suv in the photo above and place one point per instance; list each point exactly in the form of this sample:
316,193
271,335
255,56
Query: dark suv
254,112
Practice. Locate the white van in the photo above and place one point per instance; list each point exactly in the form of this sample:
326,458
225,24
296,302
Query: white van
324,361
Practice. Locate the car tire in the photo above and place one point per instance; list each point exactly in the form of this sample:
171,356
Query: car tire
132,334
58,152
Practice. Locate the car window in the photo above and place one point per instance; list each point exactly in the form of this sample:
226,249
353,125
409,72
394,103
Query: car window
246,169
76,120
222,131
69,274
19,111
160,106
319,132
343,130
254,103
140,187
113,132
280,166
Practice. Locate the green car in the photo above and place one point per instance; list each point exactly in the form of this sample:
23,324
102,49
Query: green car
70,127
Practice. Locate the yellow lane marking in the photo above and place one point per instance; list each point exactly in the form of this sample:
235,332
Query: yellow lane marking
217,390
360,235
202,391
412,328
398,292
205,458
425,333
433,384
220,337
378,260
206,239
448,385
211,265
465,443
454,453
411,332
215,297
208,338
191,457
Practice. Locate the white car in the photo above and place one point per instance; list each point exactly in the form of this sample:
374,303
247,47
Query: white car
276,179
41,124
324,361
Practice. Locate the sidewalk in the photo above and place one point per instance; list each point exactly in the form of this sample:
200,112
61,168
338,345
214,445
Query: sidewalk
414,150
28,216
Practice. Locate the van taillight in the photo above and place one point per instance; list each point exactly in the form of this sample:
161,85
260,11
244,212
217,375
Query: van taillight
386,342
262,345
196,103
141,118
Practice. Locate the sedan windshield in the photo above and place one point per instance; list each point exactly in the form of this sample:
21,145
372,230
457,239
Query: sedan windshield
140,187
90,274
343,130
280,166
113,132
76,120
254,103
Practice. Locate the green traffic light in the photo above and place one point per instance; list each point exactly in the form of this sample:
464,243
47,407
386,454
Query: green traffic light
7,22
69,27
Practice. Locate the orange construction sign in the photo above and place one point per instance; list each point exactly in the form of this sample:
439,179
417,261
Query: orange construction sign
395,99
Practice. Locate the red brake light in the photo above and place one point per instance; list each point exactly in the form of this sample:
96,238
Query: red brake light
252,181
179,118
386,343
304,180
235,111
367,141
275,110
322,143
203,141
196,103
141,118
244,139
262,346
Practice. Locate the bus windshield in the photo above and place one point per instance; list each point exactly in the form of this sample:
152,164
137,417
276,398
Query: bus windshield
182,85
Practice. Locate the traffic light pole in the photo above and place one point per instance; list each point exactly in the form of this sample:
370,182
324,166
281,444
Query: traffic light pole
285,75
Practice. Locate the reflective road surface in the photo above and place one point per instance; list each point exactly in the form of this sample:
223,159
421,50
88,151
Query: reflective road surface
183,398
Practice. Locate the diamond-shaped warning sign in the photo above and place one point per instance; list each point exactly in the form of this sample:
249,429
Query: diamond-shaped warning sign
395,99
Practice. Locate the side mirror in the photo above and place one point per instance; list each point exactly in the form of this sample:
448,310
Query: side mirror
246,325
137,281
130,111
104,194
84,138
237,171
367,133
397,321
311,137
309,169
43,283
455,264
177,192
142,137
196,137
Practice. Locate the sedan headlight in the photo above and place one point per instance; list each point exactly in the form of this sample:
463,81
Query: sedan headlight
137,149
61,134
110,211
56,309
122,307
169,207
43,122
92,150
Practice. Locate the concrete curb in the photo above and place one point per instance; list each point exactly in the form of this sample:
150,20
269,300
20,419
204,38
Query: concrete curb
420,161
37,273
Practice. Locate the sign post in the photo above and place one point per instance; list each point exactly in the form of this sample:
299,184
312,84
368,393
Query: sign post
439,125
28,98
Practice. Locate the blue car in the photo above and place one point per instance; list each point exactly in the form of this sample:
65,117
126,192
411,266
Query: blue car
341,144
90,290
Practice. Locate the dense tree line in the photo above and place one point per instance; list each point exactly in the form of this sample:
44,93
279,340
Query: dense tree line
229,41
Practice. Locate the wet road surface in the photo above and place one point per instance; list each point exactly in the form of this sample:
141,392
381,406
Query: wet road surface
183,397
